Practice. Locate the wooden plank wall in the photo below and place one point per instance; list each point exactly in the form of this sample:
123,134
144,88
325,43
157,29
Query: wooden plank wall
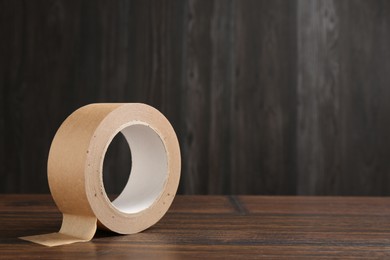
267,97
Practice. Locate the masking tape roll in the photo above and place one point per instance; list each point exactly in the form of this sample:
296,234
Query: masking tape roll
75,171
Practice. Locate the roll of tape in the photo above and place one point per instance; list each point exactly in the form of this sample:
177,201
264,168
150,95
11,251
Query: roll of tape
75,171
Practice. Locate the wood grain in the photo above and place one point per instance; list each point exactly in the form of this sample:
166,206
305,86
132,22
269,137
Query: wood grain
366,102
320,109
207,96
341,95
196,95
220,227
263,99
267,97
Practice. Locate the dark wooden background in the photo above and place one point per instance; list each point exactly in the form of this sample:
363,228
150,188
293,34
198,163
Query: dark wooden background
267,97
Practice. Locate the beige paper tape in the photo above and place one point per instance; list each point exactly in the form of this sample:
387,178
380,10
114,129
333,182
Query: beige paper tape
75,168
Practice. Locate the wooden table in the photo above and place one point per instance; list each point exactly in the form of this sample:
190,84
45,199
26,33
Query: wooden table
222,227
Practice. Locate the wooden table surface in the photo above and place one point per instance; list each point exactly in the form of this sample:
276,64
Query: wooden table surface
222,227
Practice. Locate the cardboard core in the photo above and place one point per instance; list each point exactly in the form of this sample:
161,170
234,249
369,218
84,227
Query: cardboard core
149,170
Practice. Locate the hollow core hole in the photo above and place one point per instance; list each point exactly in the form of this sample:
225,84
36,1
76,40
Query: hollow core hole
149,169
116,166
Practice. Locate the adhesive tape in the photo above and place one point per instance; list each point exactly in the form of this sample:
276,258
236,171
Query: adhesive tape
75,171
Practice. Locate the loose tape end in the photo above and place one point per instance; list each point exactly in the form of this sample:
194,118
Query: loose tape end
74,229
53,239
